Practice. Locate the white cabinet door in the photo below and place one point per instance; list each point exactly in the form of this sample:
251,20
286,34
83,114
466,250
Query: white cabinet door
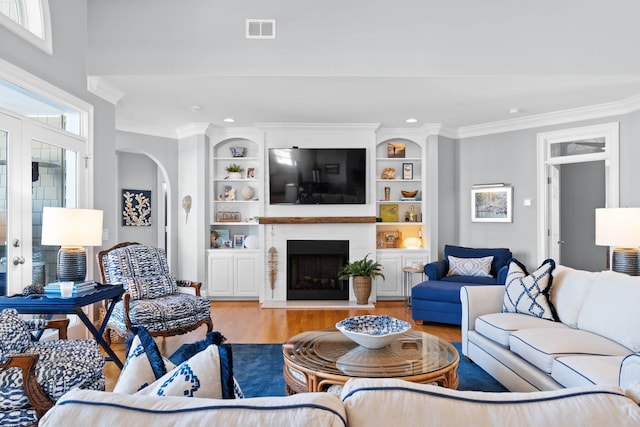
220,275
246,281
391,286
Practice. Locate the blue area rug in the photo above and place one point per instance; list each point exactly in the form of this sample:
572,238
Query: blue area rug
258,370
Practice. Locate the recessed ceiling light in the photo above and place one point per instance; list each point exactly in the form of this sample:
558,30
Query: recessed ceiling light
411,120
229,120
514,110
195,108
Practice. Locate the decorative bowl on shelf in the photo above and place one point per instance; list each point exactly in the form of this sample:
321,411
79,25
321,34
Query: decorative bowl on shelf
409,193
372,331
238,151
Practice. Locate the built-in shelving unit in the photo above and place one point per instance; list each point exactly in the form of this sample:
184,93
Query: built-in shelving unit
401,235
236,206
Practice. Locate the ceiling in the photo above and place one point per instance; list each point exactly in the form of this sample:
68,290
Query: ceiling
373,64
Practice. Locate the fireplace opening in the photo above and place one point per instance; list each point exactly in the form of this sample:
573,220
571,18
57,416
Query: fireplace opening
312,269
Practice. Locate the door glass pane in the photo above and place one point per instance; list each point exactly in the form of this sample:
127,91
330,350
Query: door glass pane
574,148
3,212
53,183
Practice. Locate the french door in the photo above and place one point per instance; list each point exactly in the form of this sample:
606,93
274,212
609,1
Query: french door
39,167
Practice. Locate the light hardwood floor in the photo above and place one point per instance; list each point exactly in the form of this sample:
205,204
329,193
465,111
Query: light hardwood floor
243,322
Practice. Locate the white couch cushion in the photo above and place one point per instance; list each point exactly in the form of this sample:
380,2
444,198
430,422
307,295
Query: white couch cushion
81,408
540,346
389,402
630,371
528,293
568,292
498,326
578,371
611,309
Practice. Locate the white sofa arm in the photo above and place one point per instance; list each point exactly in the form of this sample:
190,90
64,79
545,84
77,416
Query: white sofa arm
630,371
476,301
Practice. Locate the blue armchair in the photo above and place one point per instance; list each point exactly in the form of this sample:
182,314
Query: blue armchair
438,298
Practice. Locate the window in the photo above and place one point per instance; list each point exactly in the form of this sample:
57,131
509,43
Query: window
29,19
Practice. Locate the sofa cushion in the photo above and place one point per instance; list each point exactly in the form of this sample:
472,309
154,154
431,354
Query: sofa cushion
498,326
528,293
611,309
568,292
475,267
500,255
390,402
441,290
80,408
585,370
540,346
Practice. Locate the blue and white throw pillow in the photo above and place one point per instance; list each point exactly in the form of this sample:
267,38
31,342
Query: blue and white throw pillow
207,374
477,267
144,364
529,293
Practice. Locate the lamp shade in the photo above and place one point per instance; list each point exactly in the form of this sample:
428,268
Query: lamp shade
618,227
71,227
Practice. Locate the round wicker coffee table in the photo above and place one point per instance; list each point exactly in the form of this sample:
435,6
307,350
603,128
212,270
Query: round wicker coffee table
317,360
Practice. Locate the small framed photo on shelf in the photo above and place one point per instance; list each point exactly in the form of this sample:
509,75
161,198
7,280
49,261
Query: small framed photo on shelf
238,241
407,171
389,239
396,150
251,173
218,237
227,244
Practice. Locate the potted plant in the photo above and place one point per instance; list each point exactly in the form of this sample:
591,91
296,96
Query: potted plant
234,170
362,271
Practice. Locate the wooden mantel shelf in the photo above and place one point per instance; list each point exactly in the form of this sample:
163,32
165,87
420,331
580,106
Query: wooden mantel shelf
317,220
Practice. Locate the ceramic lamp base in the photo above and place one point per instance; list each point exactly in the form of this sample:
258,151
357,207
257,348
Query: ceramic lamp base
626,260
72,264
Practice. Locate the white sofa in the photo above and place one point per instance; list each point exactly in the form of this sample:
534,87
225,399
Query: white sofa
362,403
595,341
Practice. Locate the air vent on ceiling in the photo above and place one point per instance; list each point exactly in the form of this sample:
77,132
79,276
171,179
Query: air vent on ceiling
261,28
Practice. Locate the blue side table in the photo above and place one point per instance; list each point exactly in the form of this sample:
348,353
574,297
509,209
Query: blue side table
45,304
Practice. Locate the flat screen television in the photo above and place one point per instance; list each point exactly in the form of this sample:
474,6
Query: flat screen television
312,176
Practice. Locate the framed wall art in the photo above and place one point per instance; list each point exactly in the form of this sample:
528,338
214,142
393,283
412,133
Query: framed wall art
492,204
136,208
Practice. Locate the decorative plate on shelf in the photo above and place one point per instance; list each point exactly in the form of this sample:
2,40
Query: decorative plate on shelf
372,331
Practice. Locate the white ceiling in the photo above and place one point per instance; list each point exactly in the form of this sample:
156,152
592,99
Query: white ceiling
467,70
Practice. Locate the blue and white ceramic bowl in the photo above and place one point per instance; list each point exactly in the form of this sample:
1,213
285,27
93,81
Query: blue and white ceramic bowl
372,331
238,151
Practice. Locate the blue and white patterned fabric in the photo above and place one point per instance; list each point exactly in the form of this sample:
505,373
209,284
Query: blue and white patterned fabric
144,363
529,293
475,267
155,301
14,334
62,365
143,271
161,314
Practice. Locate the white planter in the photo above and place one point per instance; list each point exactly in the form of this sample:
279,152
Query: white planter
235,175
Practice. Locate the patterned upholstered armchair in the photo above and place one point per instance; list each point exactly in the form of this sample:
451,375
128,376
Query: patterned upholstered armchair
153,297
35,374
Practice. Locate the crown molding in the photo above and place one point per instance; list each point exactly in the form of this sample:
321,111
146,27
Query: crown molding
105,90
372,127
192,129
598,111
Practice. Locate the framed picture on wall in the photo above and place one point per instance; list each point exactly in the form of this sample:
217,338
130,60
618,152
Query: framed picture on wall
136,208
492,204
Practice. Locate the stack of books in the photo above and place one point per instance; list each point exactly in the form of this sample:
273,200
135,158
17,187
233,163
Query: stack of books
79,288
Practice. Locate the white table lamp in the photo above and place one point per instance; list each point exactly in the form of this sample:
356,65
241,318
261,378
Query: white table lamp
71,229
620,228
